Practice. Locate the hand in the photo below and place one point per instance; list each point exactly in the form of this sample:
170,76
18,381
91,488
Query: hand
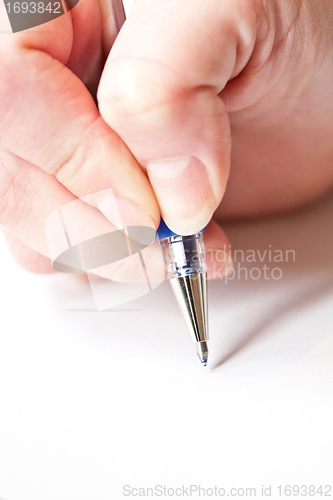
186,77
55,144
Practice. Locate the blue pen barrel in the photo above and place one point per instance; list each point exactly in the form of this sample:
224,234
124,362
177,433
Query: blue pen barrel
163,231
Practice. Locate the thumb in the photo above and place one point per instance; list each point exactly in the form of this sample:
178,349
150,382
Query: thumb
159,92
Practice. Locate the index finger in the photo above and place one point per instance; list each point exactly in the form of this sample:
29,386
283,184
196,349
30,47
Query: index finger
48,117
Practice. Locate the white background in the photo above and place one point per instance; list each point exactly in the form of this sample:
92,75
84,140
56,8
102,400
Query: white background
92,401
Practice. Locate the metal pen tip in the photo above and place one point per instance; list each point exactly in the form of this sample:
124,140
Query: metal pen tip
202,352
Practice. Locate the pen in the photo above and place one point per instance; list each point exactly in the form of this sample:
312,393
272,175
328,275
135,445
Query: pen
184,257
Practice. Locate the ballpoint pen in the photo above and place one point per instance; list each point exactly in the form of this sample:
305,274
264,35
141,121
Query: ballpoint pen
184,257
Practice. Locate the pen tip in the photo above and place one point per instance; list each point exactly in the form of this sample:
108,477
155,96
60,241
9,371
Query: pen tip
202,351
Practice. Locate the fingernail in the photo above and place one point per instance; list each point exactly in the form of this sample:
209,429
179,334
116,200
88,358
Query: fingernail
184,193
219,263
122,213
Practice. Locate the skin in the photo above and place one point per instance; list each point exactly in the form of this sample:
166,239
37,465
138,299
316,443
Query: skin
242,86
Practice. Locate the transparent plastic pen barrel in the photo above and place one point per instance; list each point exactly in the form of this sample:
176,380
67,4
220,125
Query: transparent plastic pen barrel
184,255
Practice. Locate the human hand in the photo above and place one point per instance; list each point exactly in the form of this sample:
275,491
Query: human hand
60,147
185,78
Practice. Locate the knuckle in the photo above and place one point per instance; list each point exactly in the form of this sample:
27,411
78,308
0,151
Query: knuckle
80,161
137,88
73,166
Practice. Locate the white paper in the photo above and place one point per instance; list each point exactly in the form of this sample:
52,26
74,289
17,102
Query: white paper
92,402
